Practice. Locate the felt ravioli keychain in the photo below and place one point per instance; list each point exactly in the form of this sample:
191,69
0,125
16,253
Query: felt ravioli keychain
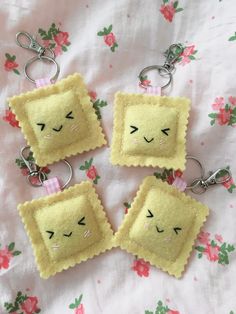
163,222
57,120
66,227
150,130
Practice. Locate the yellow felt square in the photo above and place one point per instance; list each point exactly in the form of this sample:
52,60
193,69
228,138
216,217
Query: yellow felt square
66,228
150,131
162,225
58,120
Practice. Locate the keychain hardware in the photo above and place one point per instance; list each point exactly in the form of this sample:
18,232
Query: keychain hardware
33,45
201,184
167,68
36,171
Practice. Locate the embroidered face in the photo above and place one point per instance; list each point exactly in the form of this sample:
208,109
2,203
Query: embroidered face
162,225
66,228
58,120
149,131
146,134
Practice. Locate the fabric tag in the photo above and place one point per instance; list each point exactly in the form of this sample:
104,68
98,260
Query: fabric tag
180,184
43,82
52,185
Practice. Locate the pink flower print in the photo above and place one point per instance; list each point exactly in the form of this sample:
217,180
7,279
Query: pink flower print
203,237
228,184
224,116
46,43
55,39
109,39
5,257
93,95
61,38
92,173
218,104
11,118
188,51
173,312
168,11
80,309
219,238
25,171
185,60
10,65
58,50
141,267
232,100
29,306
212,252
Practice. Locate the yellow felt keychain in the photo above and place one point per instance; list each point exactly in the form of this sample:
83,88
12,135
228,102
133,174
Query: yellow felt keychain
163,222
57,120
66,227
150,130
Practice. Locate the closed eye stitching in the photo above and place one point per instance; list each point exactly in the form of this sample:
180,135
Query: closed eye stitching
68,116
81,221
51,233
67,235
134,129
176,229
150,214
165,131
42,125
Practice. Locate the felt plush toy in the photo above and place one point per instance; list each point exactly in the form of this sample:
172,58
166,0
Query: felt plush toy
58,120
161,226
66,228
149,130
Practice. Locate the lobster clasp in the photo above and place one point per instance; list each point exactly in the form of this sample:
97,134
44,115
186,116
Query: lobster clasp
31,44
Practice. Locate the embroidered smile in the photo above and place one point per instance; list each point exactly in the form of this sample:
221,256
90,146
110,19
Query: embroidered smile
148,141
59,129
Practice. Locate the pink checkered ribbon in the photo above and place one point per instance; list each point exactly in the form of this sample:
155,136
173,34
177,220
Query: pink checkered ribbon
52,185
180,184
43,82
156,90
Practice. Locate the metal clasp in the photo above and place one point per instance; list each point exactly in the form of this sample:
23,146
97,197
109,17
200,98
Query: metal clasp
200,185
36,171
32,43
172,54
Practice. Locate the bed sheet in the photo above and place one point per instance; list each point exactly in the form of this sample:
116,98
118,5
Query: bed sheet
109,42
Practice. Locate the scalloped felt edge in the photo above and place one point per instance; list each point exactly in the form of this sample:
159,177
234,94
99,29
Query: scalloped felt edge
27,210
75,81
118,157
123,240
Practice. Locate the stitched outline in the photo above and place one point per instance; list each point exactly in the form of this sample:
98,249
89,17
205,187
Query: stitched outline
76,83
117,157
123,241
106,243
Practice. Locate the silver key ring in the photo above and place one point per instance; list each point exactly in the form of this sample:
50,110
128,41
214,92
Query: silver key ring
36,171
33,45
159,68
43,57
